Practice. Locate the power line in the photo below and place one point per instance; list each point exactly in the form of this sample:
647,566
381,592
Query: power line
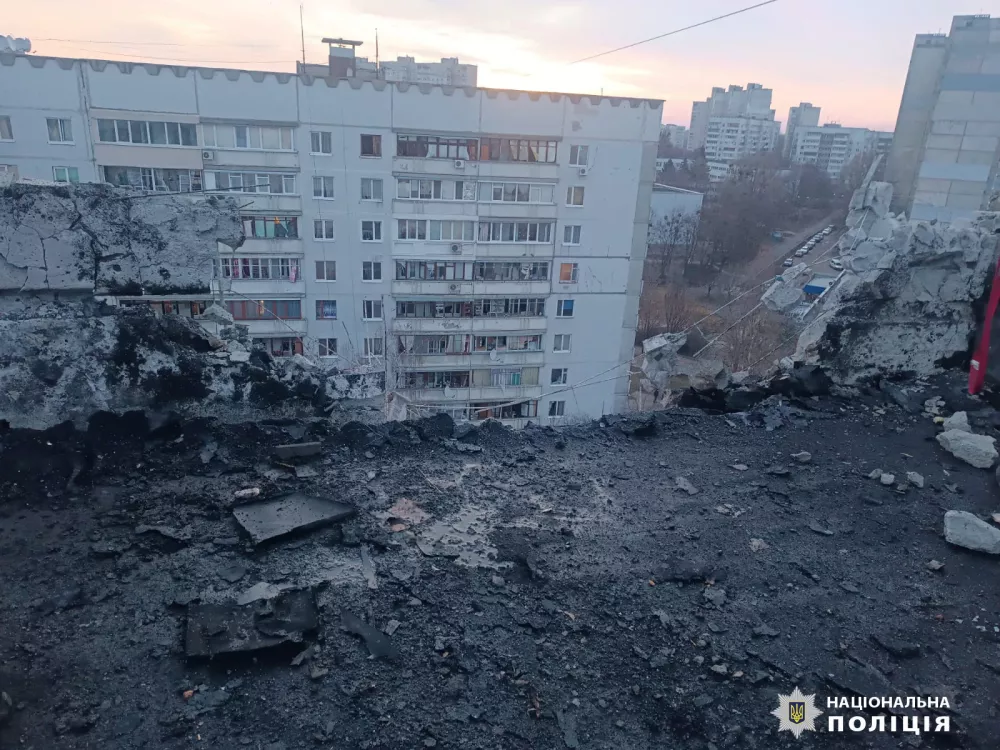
145,44
675,31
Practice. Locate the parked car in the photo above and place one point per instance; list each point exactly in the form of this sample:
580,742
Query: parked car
788,262
836,265
800,252
827,231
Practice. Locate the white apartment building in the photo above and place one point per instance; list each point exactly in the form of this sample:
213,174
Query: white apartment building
943,163
805,115
448,72
729,139
678,135
831,147
754,102
484,246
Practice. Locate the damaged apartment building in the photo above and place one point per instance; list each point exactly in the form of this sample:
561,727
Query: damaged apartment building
482,247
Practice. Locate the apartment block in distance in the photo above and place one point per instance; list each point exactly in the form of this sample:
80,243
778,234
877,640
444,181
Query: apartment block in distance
483,246
943,163
831,147
732,124
804,115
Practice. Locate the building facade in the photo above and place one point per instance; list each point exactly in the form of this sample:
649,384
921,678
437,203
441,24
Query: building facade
805,115
729,139
831,147
943,162
753,102
678,135
484,247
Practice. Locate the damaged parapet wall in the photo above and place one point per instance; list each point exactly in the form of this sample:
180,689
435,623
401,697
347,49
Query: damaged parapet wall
65,356
908,300
108,240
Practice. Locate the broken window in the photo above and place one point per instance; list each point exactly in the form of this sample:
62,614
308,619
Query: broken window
511,271
6,131
371,309
559,376
514,149
371,145
557,408
374,347
265,309
271,227
327,347
326,309
436,147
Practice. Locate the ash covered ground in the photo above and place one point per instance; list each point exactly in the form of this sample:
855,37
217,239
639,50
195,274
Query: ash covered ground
544,589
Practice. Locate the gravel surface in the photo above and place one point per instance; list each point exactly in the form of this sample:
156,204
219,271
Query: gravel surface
536,590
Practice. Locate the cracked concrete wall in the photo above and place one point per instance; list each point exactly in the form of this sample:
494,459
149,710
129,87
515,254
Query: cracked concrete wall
111,240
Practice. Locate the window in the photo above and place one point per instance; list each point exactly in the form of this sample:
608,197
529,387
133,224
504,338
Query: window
155,133
65,174
512,149
571,234
560,342
265,309
578,155
323,229
60,131
510,271
326,309
6,132
327,347
574,196
515,192
412,229
371,231
271,227
263,138
564,308
371,189
374,347
371,270
326,270
452,231
418,189
256,267
323,187
568,272
557,408
161,180
371,145
515,231
321,142
276,183
280,347
434,147
559,376
507,343
371,309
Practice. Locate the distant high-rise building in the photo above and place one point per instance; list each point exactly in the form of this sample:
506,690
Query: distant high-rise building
753,102
677,134
832,147
805,115
943,162
343,62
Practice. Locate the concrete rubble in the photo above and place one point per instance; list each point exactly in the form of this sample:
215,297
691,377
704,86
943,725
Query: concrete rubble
977,450
908,301
963,529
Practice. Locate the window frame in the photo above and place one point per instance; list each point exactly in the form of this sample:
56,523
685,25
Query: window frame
561,308
557,408
562,378
321,307
571,193
574,155
574,273
322,182
60,123
367,347
326,265
568,230
69,177
322,224
324,344
321,136
419,230
259,130
562,339
376,143
369,306
373,265
372,182
10,129
376,230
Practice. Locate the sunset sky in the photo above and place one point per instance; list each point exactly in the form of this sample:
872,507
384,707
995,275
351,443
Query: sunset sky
848,56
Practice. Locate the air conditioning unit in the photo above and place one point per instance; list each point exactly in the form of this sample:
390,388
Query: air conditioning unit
456,248
453,287
208,156
459,163
583,171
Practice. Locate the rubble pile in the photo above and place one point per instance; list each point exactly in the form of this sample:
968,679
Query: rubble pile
909,300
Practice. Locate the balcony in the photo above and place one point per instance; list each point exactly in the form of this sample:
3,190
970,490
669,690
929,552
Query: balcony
437,209
476,393
511,324
274,327
439,289
260,287
254,245
257,158
265,203
404,165
473,361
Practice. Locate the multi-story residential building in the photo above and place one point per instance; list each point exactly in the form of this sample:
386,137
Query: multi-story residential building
831,147
730,139
485,247
805,115
678,135
344,63
753,102
943,162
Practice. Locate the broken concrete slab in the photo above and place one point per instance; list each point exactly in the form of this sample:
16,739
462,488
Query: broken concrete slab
287,514
977,450
966,530
957,421
216,629
378,643
297,450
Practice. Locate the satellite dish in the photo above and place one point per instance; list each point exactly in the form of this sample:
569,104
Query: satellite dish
448,393
493,355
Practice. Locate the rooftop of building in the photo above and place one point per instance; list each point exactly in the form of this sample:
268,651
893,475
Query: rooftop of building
283,77
661,188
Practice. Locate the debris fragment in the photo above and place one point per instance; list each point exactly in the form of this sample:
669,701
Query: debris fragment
966,530
803,457
887,480
978,450
758,545
778,470
378,643
957,421
917,480
297,450
740,467
935,565
233,573
214,629
815,526
875,474
305,472
685,485
270,519
245,493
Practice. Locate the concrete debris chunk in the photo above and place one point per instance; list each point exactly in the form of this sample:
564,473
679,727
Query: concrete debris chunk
978,450
270,519
917,480
966,530
685,485
297,450
887,479
378,643
957,421
214,629
803,457
935,565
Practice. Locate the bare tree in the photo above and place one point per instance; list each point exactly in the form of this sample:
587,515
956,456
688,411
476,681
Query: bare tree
667,235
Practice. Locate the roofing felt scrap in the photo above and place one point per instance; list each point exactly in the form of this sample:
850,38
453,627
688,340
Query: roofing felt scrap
214,629
270,519
378,642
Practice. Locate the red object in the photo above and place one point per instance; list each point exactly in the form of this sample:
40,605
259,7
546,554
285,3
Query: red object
981,357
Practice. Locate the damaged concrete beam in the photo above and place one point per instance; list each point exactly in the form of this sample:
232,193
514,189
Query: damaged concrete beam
288,514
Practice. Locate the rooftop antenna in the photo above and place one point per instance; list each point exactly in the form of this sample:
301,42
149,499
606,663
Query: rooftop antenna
302,32
377,75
